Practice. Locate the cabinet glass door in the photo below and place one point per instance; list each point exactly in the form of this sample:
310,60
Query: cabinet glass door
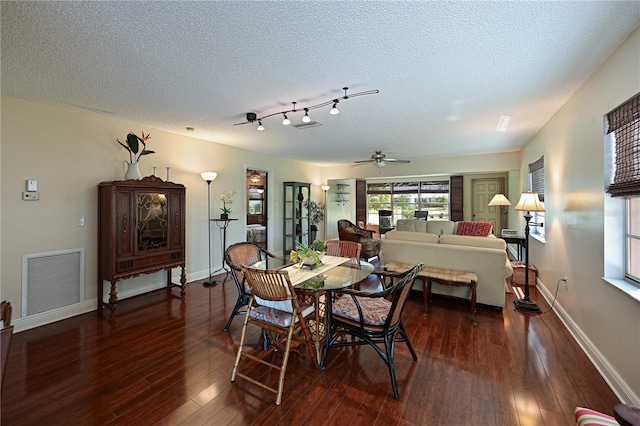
151,221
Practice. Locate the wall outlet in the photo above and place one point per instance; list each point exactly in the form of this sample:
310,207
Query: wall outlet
30,196
565,281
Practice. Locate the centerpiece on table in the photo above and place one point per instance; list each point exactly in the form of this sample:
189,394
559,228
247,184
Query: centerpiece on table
227,199
134,142
308,255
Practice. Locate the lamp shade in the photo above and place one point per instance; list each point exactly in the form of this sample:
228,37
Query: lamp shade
325,187
499,200
208,176
529,202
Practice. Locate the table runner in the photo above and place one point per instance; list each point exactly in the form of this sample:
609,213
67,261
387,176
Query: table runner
298,274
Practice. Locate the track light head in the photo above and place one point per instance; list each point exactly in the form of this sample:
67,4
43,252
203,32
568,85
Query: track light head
335,110
260,126
286,121
306,117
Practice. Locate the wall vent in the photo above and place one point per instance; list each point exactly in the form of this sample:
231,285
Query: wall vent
306,125
52,280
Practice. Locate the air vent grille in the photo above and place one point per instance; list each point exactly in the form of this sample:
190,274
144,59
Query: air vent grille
306,125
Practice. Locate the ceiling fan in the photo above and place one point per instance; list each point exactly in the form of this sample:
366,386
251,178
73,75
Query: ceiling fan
381,160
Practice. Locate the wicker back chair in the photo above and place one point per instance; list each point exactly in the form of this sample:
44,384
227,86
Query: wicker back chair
347,231
235,256
373,319
344,249
274,307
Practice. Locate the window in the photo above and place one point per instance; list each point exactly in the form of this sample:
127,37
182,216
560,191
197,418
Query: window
404,198
624,127
536,183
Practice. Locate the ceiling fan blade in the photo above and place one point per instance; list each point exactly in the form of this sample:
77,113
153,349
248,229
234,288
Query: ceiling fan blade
364,161
393,160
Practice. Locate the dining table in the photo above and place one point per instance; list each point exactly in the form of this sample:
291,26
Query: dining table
316,284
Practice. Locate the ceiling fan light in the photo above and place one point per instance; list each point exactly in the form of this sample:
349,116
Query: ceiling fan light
334,110
260,126
380,163
286,120
306,117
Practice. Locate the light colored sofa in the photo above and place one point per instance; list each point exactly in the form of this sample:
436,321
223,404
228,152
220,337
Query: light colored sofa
484,256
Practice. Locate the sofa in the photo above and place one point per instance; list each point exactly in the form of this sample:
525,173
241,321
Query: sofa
484,256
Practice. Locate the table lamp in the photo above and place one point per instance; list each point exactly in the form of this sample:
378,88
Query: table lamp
501,201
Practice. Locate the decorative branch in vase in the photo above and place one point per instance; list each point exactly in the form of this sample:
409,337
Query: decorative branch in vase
133,147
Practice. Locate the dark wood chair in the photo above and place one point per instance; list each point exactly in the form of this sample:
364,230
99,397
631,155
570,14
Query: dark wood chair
421,214
373,319
6,333
347,231
274,307
236,255
385,221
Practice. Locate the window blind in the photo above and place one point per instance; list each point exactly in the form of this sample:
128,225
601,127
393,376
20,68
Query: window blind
536,171
624,123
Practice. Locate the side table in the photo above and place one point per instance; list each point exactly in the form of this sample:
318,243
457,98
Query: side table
223,224
518,240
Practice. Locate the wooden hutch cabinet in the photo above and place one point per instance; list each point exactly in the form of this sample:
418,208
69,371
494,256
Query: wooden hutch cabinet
141,229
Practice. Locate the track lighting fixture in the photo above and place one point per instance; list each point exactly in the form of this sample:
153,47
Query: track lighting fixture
251,116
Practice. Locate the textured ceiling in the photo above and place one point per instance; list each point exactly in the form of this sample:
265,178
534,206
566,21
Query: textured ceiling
446,71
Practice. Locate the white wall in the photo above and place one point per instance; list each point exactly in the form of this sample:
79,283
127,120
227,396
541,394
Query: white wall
70,152
604,319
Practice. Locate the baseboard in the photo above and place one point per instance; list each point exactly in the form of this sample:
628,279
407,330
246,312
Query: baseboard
44,318
606,370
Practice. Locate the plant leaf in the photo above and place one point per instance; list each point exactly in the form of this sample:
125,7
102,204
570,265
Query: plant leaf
125,146
132,141
146,152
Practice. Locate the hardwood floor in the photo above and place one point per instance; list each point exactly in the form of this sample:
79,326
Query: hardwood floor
165,360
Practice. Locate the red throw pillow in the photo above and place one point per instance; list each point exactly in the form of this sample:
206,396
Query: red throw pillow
474,229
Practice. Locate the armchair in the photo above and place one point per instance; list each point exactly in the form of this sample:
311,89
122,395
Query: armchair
373,318
347,231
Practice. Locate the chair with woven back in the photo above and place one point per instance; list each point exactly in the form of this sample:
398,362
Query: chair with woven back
236,255
372,318
344,249
274,307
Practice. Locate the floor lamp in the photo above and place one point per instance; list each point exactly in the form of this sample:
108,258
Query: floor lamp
209,176
529,202
502,201
325,188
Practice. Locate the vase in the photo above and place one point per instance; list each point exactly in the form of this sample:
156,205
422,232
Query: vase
224,216
131,171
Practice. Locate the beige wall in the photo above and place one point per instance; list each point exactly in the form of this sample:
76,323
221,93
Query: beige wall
604,319
69,152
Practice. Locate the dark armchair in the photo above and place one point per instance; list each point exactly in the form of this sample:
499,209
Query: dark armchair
371,318
347,231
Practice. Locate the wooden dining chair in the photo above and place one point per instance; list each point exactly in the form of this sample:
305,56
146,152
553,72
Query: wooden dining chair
6,333
371,318
236,255
274,306
349,249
